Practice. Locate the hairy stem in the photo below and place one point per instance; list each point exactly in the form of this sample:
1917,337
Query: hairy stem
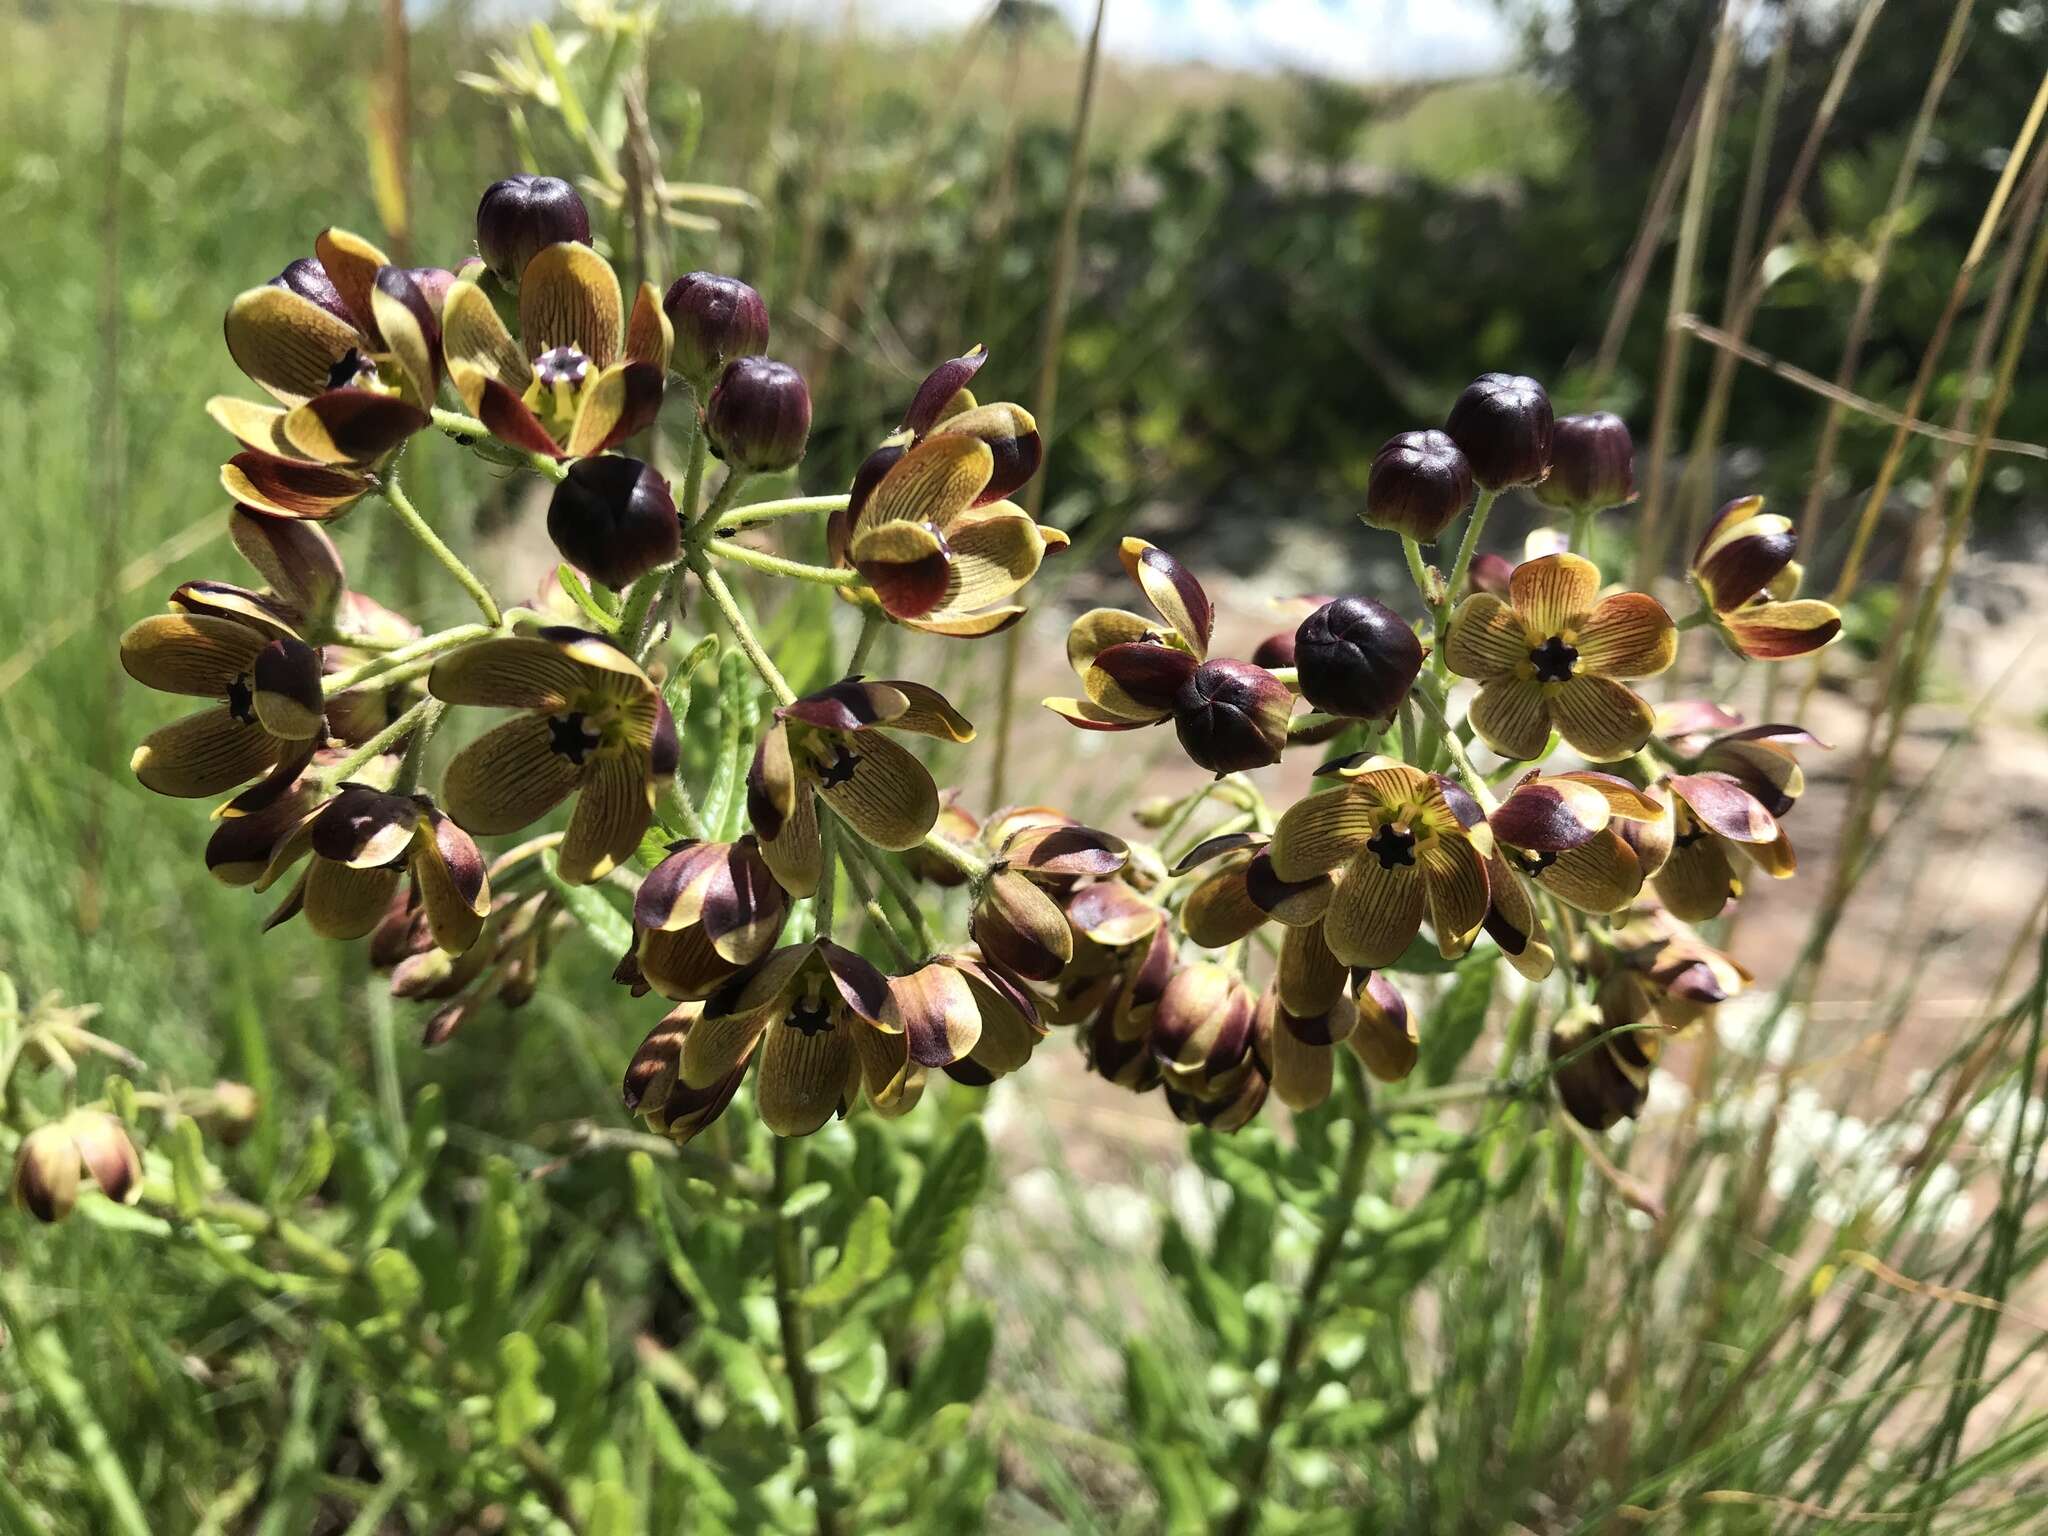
413,719
743,632
394,493
776,565
794,506
406,662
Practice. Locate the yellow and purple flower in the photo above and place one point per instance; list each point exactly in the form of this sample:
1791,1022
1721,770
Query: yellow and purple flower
703,914
830,745
1744,569
927,523
1556,653
236,649
1404,854
1714,815
363,844
591,724
54,1159
1556,829
350,347
581,376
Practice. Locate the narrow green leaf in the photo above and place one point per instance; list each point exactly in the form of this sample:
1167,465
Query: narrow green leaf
606,926
572,583
862,1261
935,1224
1455,1022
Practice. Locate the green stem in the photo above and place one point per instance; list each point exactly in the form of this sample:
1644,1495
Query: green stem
400,665
793,506
728,488
796,1333
1698,619
1417,571
1307,1318
409,771
776,565
408,514
475,434
827,896
1449,737
743,632
872,624
383,741
877,914
1582,532
900,886
1467,547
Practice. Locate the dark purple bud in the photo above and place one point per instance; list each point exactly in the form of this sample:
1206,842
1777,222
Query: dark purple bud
1490,573
1503,423
614,518
309,280
1231,716
522,216
1274,651
716,319
1420,481
1356,657
759,416
433,284
1592,464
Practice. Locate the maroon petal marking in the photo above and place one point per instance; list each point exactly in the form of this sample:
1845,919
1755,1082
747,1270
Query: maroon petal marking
643,383
1150,674
861,987
1215,848
1724,806
510,421
666,882
847,705
1537,817
1058,850
939,388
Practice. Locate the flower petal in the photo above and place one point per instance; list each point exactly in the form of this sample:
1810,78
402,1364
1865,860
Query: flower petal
794,853
1384,1039
1375,913
1021,928
478,347
203,754
189,653
1512,923
1013,438
1696,882
968,626
939,393
1173,591
511,420
260,427
410,331
936,1013
1720,803
1779,631
285,488
906,563
1549,815
1090,716
719,1045
1220,910
509,672
886,795
569,297
1111,914
933,483
1628,636
350,426
1309,977
286,343
508,778
1512,716
1486,639
1554,593
927,713
346,903
1454,878
805,1076
613,808
352,265
1603,876
1317,834
649,335
1302,1073
994,552
1600,719
619,402
455,888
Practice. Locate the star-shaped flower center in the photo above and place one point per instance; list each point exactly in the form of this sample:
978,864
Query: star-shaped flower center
351,370
809,1017
1554,660
1533,864
561,366
242,699
841,769
571,736
1394,846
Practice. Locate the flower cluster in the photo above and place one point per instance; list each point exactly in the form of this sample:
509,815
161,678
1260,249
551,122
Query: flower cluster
1604,828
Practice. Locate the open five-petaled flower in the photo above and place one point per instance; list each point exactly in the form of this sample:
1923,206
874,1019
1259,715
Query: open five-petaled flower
823,1022
266,716
1713,815
1557,653
1404,853
1556,829
830,744
580,376
591,724
354,368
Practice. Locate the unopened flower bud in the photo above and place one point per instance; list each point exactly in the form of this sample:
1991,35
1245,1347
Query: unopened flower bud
1203,1026
759,415
309,280
1356,657
46,1173
1503,424
229,1112
522,216
1420,481
716,319
1592,464
1231,715
1490,573
613,517
433,284
1274,651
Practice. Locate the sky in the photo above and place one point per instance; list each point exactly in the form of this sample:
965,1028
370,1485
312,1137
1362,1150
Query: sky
1357,39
